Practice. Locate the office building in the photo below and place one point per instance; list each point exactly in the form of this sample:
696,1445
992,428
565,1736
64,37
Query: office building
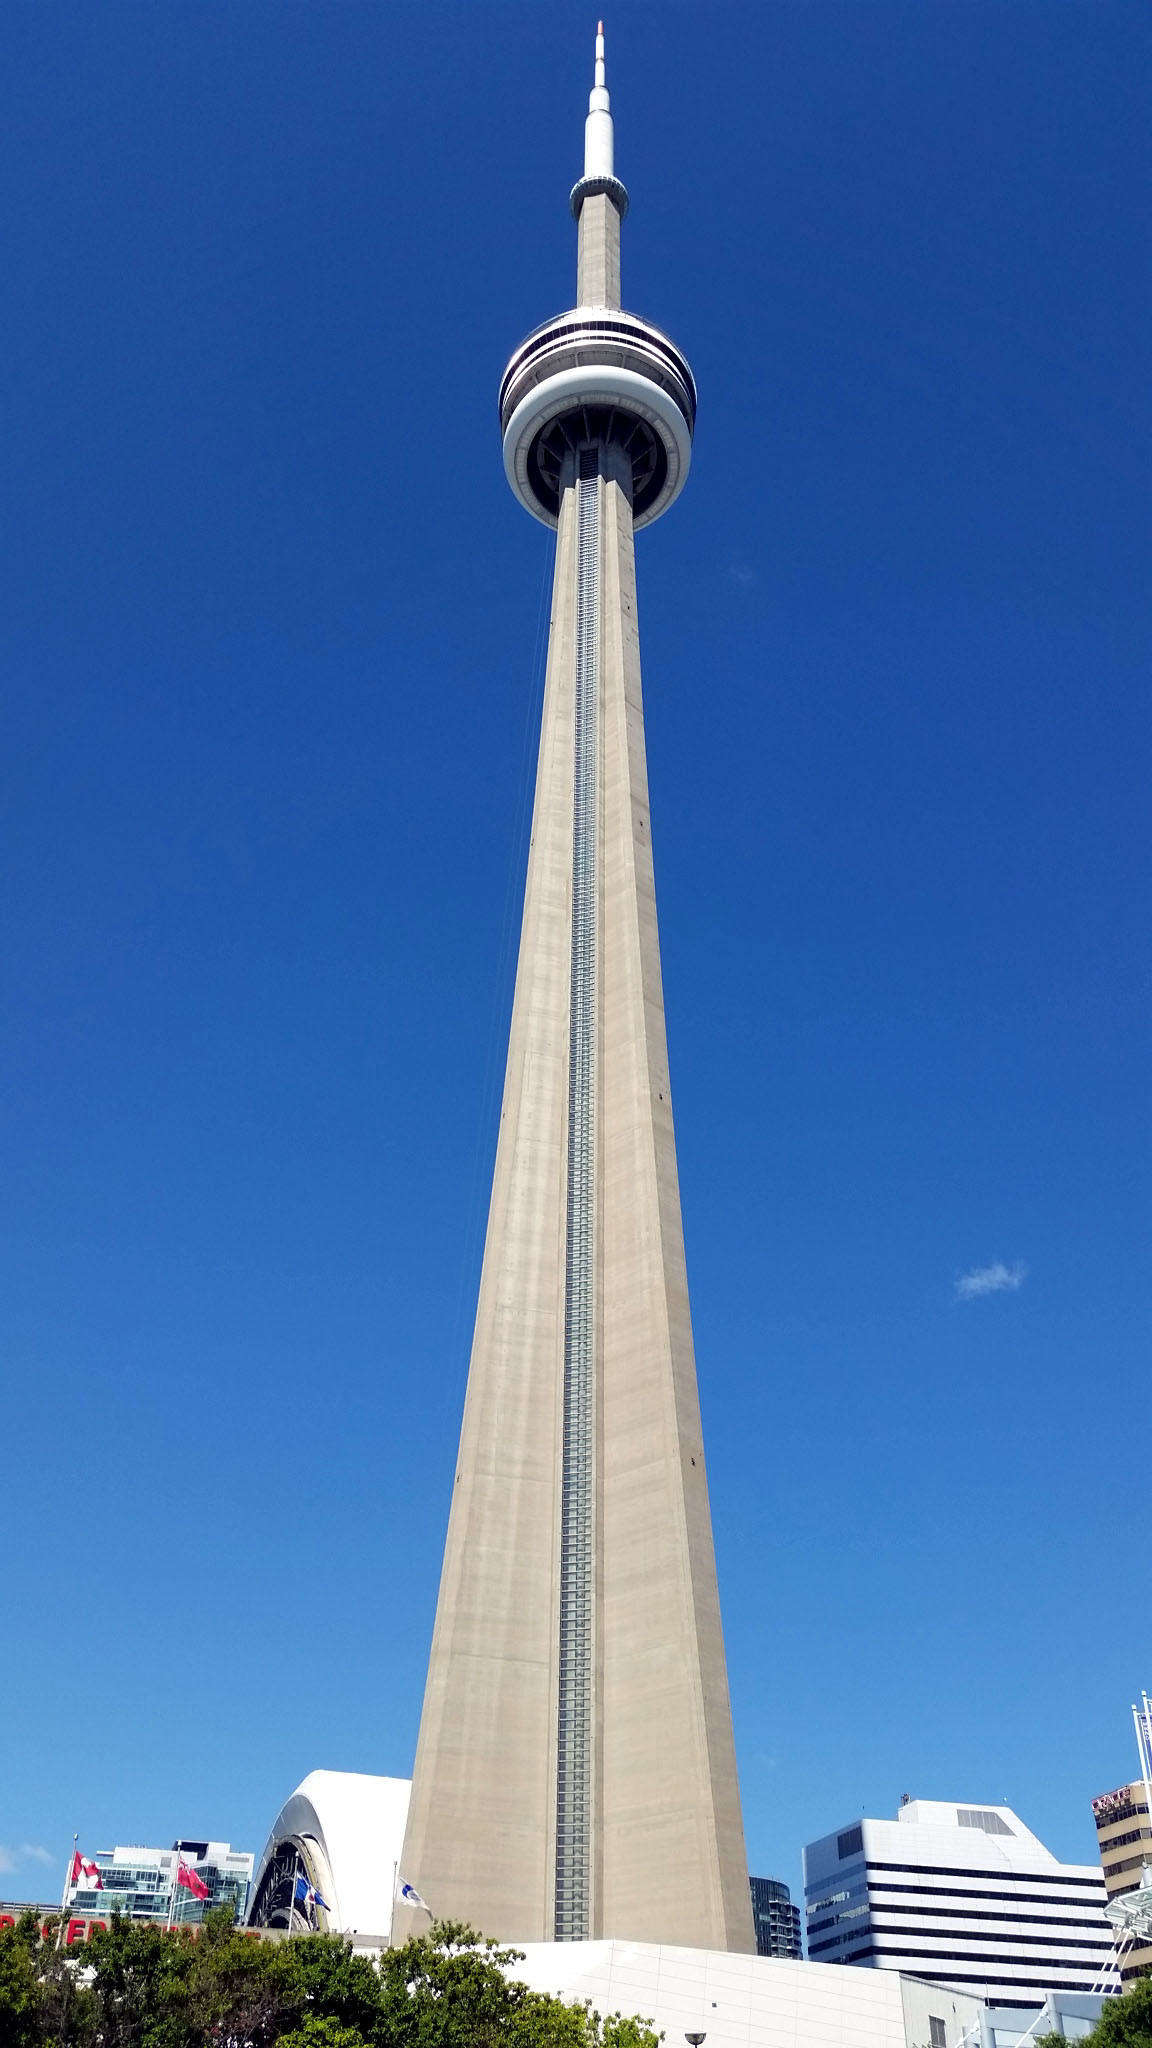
1124,1836
775,1918
575,1772
1124,1833
144,1884
964,1896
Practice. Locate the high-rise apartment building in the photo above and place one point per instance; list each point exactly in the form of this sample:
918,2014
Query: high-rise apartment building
775,1918
1124,1835
144,1884
1124,1832
575,1772
965,1896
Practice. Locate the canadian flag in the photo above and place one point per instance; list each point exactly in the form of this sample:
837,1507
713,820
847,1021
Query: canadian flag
81,1868
191,1880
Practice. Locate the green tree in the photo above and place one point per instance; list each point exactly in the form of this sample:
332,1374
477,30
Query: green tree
242,1993
136,1985
140,1977
621,2032
447,1989
451,1988
1126,2022
322,2030
332,1982
43,2003
20,1989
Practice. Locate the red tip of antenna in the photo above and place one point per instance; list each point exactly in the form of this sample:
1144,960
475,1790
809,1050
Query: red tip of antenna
599,28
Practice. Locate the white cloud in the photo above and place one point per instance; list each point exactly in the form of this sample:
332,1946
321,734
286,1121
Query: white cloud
739,573
995,1279
11,1857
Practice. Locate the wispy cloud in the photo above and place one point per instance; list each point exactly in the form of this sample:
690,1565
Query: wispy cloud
741,574
995,1279
13,1855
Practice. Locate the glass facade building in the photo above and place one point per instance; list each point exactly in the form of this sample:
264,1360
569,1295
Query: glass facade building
776,1919
141,1883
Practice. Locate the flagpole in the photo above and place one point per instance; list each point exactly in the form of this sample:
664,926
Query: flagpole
68,1878
392,1921
172,1896
66,1890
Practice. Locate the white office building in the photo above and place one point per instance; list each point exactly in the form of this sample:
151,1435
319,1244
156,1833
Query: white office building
145,1884
965,1897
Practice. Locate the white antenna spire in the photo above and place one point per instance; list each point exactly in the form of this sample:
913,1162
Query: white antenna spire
598,139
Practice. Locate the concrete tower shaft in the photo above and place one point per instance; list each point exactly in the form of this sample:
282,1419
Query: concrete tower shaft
575,1774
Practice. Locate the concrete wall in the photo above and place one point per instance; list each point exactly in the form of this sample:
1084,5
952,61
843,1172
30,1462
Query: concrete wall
746,2001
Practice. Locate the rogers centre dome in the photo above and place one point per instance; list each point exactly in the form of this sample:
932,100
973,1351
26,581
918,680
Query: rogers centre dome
343,1832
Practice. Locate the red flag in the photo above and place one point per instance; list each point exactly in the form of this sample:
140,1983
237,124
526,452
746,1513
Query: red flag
191,1881
82,1868
77,1866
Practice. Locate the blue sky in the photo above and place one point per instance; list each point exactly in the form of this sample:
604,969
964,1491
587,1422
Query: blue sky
271,641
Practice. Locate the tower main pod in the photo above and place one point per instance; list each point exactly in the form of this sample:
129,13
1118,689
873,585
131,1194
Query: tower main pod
575,1773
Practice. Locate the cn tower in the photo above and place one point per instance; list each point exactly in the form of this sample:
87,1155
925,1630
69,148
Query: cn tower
575,1772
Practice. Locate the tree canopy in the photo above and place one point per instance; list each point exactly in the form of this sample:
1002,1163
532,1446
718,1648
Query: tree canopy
1125,2022
136,1985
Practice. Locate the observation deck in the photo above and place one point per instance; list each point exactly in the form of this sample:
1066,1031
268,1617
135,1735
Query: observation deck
596,373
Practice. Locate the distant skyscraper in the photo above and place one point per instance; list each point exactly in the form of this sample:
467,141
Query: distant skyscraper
575,1774
965,1896
775,1918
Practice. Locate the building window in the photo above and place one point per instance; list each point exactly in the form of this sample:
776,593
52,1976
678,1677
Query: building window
937,2032
850,1844
976,1817
1065,1879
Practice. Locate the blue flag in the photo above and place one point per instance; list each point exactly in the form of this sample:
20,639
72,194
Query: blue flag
309,1896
